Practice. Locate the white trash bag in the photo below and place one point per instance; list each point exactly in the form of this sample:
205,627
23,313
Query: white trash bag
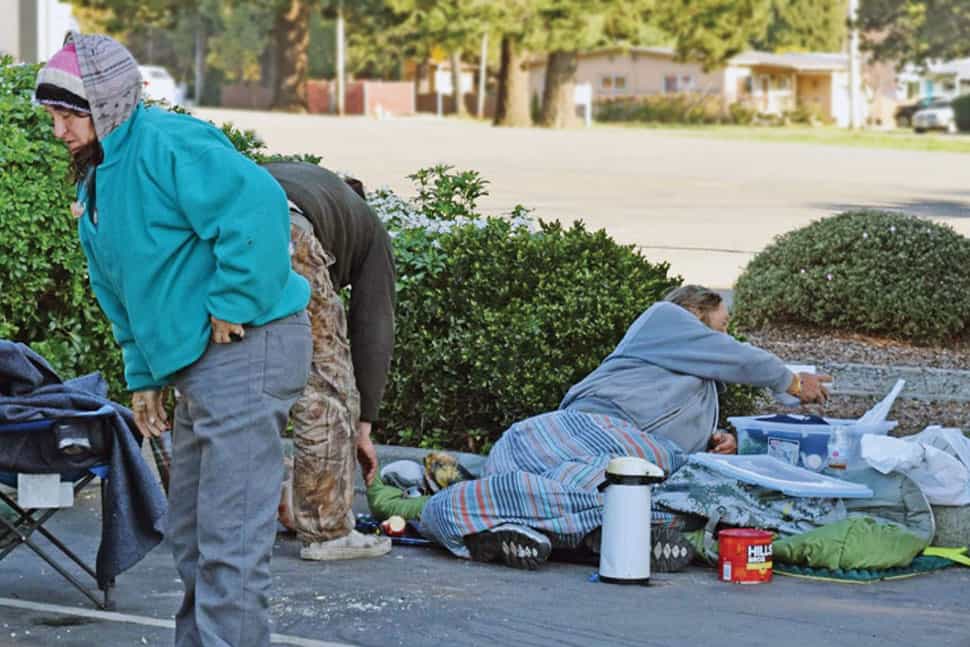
937,458
880,411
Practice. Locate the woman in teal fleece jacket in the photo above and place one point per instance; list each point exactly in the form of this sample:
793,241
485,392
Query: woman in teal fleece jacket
187,243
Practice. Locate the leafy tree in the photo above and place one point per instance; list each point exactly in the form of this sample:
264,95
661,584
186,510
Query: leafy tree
379,39
451,24
290,43
322,52
805,26
512,100
515,21
569,27
244,33
712,31
915,30
169,32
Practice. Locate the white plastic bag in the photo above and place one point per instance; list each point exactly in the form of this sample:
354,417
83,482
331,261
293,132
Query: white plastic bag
937,459
880,411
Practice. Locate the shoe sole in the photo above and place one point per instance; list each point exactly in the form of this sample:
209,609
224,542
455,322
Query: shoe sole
524,549
335,553
669,551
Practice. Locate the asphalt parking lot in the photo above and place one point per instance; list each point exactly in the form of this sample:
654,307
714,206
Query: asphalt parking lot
706,205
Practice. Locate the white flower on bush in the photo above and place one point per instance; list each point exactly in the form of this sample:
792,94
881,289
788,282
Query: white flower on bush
397,213
865,235
892,229
828,277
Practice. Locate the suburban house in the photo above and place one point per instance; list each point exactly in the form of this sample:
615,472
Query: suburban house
945,80
33,30
766,82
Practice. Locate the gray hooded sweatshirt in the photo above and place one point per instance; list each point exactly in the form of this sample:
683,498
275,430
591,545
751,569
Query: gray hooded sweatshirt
112,81
663,376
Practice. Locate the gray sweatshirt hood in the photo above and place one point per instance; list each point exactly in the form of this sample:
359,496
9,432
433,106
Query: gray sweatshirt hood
112,81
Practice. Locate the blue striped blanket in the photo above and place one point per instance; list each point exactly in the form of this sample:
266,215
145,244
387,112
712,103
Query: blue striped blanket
544,473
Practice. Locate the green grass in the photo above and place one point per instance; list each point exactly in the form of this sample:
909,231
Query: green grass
824,135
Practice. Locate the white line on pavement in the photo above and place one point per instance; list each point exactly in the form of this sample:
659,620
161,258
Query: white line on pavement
277,639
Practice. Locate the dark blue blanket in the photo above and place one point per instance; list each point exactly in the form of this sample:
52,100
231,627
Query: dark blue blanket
135,506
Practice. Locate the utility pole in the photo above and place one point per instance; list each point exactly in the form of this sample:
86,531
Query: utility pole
855,71
482,79
341,79
199,67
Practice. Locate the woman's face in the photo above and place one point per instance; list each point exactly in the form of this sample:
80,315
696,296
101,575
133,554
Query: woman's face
717,318
76,130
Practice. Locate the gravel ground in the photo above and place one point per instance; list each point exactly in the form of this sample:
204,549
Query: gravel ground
795,344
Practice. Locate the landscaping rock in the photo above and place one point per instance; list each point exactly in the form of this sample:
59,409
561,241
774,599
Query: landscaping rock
862,363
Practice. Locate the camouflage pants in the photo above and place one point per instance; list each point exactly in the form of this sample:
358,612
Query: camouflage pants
318,488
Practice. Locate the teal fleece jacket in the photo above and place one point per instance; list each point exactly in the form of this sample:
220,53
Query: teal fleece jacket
184,227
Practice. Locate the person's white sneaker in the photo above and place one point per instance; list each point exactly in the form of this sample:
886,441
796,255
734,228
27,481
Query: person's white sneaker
352,546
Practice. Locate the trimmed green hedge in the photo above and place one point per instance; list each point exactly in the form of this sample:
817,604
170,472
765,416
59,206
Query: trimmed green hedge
44,296
863,272
693,109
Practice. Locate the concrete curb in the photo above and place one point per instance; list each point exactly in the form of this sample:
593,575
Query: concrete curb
930,384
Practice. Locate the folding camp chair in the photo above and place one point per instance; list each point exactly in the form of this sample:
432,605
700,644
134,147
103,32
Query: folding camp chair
21,530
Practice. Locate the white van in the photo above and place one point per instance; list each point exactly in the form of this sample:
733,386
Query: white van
158,84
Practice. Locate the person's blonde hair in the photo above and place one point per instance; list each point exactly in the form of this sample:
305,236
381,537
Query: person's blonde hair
696,298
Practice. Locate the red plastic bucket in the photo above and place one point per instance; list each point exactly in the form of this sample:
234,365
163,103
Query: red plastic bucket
744,556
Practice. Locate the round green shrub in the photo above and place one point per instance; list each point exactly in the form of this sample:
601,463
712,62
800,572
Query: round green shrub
45,300
507,323
863,272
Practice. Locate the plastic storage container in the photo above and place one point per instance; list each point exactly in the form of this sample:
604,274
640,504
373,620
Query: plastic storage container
800,440
774,474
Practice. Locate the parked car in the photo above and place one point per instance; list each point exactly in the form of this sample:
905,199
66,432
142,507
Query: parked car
904,114
938,115
159,84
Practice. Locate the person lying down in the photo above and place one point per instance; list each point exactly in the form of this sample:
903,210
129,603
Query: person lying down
655,396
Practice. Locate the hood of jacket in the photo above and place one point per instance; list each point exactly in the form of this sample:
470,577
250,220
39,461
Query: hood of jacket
112,80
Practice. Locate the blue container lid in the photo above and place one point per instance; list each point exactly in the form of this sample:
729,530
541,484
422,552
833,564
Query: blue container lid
774,474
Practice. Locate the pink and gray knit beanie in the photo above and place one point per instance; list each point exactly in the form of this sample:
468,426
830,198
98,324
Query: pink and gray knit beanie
92,74
59,82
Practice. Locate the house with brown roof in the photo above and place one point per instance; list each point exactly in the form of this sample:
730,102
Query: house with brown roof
768,83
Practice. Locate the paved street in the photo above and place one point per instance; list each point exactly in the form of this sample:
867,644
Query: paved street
704,204
417,597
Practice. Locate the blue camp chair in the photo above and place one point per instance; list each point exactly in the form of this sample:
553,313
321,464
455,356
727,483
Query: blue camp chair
21,530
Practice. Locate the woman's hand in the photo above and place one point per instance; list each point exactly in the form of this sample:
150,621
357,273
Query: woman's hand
223,331
150,415
808,387
723,443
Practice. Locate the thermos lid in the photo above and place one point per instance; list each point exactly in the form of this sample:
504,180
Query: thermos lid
630,469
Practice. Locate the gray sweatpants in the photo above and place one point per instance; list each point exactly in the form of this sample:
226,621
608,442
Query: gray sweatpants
226,477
